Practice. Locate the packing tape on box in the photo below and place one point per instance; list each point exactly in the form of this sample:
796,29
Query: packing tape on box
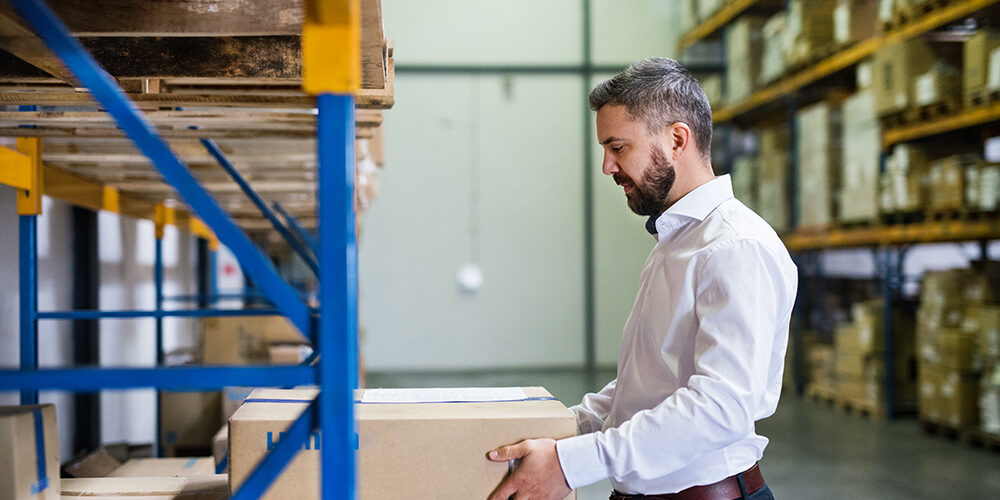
303,401
43,479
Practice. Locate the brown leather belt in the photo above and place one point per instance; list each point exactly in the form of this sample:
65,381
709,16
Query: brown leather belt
727,489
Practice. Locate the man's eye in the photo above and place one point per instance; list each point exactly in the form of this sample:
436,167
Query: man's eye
618,149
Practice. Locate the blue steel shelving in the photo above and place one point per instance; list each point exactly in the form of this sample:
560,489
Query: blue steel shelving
332,326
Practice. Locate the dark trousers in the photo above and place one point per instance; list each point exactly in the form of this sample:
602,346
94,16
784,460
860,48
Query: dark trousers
764,493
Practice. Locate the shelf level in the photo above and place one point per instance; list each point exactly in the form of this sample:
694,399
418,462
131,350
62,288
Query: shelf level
903,234
965,119
848,57
708,27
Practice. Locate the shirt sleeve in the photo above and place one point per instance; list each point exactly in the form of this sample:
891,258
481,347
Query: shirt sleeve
738,288
594,409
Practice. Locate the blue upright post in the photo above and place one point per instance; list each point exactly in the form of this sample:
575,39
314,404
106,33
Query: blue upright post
158,286
28,283
338,328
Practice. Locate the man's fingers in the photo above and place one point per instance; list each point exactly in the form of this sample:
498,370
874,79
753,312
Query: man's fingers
504,491
509,452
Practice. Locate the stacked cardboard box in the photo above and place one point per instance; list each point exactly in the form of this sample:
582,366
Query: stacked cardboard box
976,63
941,82
165,467
402,447
822,369
773,40
859,169
712,85
818,134
901,185
855,20
896,66
950,323
203,487
744,175
982,186
233,340
809,30
29,453
946,181
743,55
859,358
772,187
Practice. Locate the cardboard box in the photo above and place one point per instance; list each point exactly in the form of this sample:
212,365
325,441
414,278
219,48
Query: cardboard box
942,81
744,174
29,452
165,467
773,41
976,60
895,66
187,421
288,354
98,463
772,190
220,449
818,133
810,29
743,51
237,340
212,487
859,168
712,85
232,399
452,437
855,20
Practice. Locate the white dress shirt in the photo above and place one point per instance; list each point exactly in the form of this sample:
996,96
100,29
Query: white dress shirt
701,355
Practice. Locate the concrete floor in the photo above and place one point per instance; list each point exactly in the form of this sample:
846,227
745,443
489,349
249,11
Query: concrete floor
816,452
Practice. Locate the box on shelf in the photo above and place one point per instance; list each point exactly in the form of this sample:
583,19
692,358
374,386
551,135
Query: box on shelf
897,65
234,340
942,82
743,55
989,400
818,134
976,63
744,175
946,180
29,455
901,184
809,30
98,463
232,398
822,367
772,187
451,437
859,169
205,487
220,448
187,421
855,20
168,467
283,353
712,85
773,41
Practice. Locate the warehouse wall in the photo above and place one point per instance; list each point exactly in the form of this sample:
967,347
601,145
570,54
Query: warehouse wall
126,257
489,168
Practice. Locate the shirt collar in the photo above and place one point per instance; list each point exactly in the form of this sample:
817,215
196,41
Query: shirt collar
695,205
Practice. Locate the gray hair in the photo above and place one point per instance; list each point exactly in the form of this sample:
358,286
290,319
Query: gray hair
659,91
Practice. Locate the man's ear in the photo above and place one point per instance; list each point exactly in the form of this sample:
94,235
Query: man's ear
678,140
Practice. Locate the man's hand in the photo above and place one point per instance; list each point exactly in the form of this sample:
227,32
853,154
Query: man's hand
539,475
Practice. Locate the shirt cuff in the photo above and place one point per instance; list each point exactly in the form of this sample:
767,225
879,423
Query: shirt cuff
580,459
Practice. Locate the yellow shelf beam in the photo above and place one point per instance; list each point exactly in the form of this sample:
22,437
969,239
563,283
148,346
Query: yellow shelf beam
926,232
964,119
849,57
15,169
724,16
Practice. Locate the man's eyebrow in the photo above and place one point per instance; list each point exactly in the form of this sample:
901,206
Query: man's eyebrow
609,140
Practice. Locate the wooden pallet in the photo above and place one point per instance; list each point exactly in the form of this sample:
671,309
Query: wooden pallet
944,107
982,98
982,439
970,436
851,406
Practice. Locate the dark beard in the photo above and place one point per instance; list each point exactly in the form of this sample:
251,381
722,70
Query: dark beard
650,196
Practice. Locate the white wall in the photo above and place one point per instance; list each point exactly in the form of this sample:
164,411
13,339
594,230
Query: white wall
523,134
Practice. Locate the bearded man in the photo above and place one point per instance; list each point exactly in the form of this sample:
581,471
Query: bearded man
702,351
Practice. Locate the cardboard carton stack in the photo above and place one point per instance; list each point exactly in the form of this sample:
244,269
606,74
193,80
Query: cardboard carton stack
901,185
976,65
445,429
859,357
197,487
947,179
984,322
712,85
29,453
859,168
809,30
818,134
744,174
942,82
950,323
743,55
772,191
822,370
896,66
855,20
773,40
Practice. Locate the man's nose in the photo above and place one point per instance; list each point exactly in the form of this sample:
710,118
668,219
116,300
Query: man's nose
610,166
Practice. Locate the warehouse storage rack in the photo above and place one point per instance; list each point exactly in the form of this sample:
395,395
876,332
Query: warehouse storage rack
333,77
889,243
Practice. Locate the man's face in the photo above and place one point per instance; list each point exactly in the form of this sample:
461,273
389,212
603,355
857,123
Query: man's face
635,159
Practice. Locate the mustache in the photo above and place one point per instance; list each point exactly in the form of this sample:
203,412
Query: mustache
621,178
